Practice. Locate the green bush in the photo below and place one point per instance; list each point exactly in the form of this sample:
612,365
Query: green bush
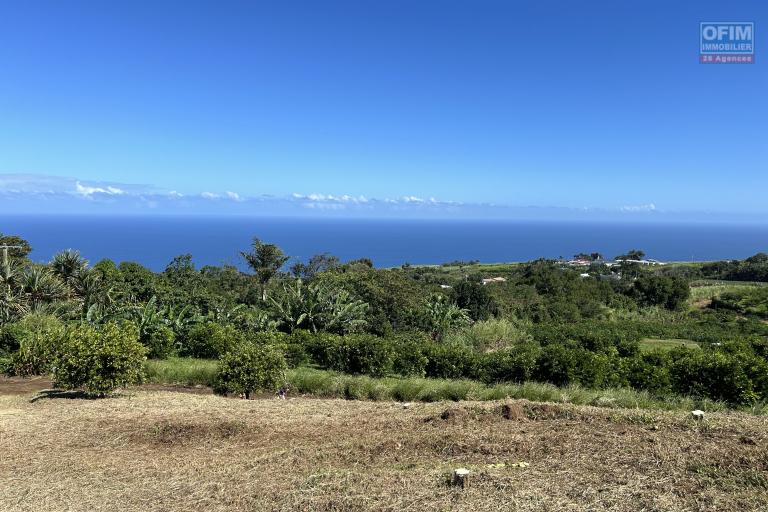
489,335
450,361
650,372
210,340
515,364
292,347
568,364
363,354
249,368
735,378
160,341
37,337
99,360
409,359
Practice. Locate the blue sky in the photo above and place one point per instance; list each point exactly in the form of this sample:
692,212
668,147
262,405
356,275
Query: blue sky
597,105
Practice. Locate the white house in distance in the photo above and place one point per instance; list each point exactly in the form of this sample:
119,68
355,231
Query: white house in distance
494,280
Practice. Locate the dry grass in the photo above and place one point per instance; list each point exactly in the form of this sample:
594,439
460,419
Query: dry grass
165,451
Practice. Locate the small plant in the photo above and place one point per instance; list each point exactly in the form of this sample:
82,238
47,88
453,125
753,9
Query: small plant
99,360
249,368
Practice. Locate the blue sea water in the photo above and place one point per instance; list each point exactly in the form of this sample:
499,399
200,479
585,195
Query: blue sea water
154,241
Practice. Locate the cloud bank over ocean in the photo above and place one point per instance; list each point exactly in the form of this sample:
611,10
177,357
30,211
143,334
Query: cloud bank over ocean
41,194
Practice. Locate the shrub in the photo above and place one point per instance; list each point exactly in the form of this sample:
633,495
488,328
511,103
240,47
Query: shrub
37,337
249,368
650,371
292,347
489,335
211,340
736,378
515,364
160,341
363,354
561,364
450,361
409,359
99,360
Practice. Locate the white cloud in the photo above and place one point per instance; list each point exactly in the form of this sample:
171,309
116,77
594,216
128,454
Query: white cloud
233,196
87,191
210,195
650,207
328,198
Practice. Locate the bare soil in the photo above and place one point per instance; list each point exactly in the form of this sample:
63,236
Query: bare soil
166,451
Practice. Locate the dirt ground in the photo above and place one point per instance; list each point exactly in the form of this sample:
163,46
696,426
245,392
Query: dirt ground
168,451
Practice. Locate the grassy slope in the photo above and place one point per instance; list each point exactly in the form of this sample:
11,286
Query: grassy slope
326,384
163,451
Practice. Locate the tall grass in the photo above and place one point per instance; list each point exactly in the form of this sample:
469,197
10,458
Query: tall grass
327,384
336,385
181,370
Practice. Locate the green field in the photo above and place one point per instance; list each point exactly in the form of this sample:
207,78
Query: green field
650,344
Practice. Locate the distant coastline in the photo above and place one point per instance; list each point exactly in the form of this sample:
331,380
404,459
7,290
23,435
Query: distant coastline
154,241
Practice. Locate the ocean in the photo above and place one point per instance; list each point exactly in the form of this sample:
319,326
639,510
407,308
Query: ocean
154,241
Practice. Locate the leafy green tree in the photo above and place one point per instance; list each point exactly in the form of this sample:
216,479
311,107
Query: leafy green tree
99,360
36,338
265,260
19,248
476,299
669,292
210,340
634,254
316,264
248,368
138,283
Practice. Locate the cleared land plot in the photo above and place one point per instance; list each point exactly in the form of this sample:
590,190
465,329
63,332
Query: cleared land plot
650,344
153,450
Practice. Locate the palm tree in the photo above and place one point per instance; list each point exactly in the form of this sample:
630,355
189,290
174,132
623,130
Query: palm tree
68,265
12,306
41,286
90,288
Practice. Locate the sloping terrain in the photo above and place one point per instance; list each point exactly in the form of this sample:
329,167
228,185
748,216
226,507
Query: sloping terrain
160,450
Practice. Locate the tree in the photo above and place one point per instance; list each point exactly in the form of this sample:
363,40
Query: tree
316,264
41,286
19,248
265,260
67,265
99,360
634,254
248,368
476,299
669,292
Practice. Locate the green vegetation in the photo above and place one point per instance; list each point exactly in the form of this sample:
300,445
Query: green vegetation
650,344
663,330
249,368
99,360
185,371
